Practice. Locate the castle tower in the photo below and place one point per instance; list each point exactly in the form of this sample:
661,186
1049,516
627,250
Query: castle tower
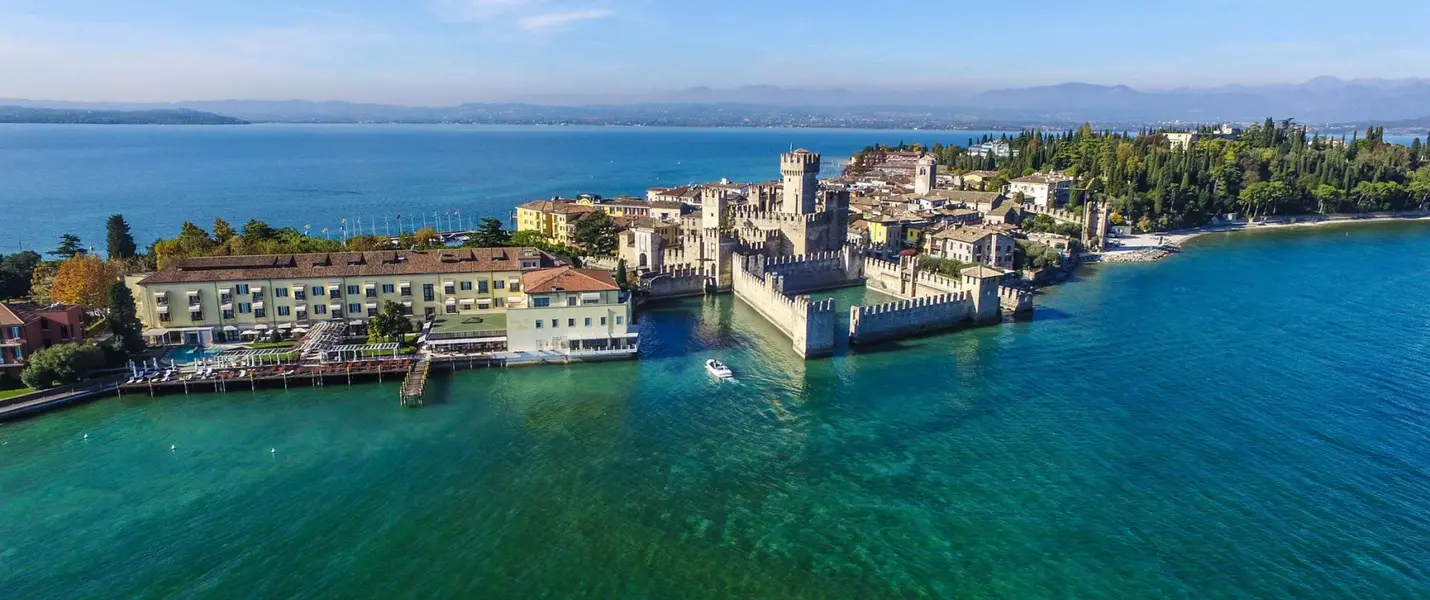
800,170
1094,225
925,175
836,203
713,205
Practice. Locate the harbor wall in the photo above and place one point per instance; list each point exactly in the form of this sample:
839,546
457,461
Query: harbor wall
905,318
1014,301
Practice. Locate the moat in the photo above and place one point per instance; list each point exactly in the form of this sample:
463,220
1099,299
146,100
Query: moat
1134,436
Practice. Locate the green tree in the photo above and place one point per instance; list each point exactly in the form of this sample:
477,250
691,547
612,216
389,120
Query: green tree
123,321
597,234
16,271
528,238
60,365
69,247
256,232
489,234
391,323
121,242
223,232
621,277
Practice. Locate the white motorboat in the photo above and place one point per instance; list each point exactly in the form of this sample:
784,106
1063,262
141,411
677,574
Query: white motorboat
718,369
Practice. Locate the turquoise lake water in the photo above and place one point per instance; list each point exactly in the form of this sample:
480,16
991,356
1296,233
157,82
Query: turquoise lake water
1249,419
69,179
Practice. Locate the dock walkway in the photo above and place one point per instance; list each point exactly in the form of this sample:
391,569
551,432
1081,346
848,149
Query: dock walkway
415,385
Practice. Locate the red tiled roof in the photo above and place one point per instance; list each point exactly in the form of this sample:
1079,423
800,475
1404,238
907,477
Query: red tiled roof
567,279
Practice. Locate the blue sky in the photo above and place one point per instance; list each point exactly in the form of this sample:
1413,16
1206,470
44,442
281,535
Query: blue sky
449,51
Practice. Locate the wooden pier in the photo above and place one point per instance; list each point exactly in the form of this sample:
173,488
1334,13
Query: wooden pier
414,386
275,377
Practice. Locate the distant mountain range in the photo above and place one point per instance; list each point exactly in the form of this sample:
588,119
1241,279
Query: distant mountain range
23,114
1322,100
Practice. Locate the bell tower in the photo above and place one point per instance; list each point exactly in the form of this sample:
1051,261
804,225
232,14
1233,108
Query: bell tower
925,174
800,171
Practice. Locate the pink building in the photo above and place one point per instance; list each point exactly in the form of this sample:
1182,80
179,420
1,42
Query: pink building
27,328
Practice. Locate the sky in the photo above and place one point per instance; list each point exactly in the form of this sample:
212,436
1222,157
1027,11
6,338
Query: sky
437,52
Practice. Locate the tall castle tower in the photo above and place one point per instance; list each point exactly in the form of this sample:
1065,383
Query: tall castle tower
925,174
713,205
801,180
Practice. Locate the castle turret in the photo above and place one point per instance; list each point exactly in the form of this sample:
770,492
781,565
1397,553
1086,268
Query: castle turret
925,174
800,170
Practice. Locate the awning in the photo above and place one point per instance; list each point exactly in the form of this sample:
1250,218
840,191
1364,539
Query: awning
226,306
301,306
407,303
451,302
449,283
162,308
299,288
161,294
334,288
248,332
484,302
192,292
258,305
370,304
229,328
300,330
589,297
356,322
257,289
196,307
336,306
369,286
261,326
467,301
156,331
224,290
285,325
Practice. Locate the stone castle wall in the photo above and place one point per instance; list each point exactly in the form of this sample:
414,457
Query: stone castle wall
809,323
674,282
816,271
1014,301
905,318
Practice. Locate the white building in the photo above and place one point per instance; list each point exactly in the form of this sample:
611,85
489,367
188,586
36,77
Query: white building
572,311
1044,190
973,245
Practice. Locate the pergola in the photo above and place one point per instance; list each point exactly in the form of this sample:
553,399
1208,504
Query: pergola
365,351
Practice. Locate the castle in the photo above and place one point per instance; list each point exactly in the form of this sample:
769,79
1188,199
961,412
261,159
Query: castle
773,244
794,217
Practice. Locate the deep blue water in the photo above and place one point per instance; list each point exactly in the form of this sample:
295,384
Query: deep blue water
68,179
1248,419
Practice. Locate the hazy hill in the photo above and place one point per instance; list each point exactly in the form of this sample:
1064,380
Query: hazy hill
22,114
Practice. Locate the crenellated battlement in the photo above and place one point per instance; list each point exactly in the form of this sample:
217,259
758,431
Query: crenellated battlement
1014,300
903,305
756,215
679,271
939,282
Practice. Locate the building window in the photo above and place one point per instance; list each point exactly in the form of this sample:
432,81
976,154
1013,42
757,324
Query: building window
370,292
588,321
302,314
541,302
406,289
352,290
466,286
284,311
260,313
448,288
538,323
228,314
428,292
196,316
387,288
603,320
570,322
354,308
245,308
572,300
451,309
500,302
372,311
499,284
258,296
280,292
164,317
555,323
620,319
429,312
242,288
321,309
300,294
317,291
481,287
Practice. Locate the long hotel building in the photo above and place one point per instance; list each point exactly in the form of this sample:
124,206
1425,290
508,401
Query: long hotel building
479,293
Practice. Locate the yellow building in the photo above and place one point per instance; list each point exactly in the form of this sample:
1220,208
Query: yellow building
205,300
555,218
895,231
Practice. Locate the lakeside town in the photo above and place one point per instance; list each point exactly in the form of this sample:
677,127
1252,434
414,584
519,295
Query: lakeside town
952,236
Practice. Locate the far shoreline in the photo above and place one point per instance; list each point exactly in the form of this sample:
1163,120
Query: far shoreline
1145,247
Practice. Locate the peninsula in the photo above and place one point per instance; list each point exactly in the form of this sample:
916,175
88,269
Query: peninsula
177,116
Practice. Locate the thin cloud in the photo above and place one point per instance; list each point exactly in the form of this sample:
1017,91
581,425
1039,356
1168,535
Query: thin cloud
549,21
462,11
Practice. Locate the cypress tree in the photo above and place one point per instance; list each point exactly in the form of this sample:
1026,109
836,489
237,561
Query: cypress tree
121,242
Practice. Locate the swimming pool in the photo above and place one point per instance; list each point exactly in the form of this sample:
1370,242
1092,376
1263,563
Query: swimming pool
188,355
